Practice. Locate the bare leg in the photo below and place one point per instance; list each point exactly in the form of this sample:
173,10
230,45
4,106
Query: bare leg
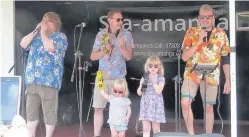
209,118
156,127
121,134
98,121
188,114
32,128
146,128
114,133
49,130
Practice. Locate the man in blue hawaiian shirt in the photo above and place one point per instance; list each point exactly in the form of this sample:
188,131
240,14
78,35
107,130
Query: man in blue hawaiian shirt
44,71
112,55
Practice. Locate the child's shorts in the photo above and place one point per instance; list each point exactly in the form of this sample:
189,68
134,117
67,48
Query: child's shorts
118,127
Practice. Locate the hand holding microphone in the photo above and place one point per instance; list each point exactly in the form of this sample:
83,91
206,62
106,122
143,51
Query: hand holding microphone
44,27
38,28
203,33
144,82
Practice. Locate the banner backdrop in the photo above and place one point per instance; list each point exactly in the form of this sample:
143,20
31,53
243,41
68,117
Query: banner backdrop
160,30
157,28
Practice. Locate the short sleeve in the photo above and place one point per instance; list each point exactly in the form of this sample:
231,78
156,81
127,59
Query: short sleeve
130,41
226,47
60,42
111,98
187,40
128,102
161,80
97,42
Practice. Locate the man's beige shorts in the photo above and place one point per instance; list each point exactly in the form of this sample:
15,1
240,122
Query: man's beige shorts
189,90
38,95
98,100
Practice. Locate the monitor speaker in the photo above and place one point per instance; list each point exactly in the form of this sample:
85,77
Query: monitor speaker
242,19
171,134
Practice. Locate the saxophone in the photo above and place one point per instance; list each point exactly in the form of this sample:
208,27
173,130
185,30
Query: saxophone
105,39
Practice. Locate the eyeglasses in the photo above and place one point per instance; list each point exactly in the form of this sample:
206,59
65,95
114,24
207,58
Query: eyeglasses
118,19
205,17
119,92
153,65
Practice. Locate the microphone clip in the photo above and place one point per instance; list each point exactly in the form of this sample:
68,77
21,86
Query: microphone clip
87,64
83,24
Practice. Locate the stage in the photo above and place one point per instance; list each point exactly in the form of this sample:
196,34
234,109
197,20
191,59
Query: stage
73,130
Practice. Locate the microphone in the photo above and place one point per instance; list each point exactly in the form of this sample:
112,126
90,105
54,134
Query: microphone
145,82
193,67
204,27
37,29
83,24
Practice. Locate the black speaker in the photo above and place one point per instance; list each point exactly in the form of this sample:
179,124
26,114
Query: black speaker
67,110
181,134
67,115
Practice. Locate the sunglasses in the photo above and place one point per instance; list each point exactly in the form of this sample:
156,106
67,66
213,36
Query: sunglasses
118,20
155,65
205,17
119,92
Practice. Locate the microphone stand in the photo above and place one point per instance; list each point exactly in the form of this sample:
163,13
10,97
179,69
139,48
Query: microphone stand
178,81
23,75
18,59
205,72
79,89
21,54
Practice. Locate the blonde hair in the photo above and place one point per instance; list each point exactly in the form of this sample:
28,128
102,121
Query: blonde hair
53,17
112,12
154,60
206,7
121,83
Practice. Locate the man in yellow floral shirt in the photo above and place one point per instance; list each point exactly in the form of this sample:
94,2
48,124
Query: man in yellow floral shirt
204,44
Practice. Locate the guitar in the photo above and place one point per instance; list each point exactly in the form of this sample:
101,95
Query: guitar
100,80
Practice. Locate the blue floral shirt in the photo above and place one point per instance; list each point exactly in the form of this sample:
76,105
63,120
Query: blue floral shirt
44,67
113,65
